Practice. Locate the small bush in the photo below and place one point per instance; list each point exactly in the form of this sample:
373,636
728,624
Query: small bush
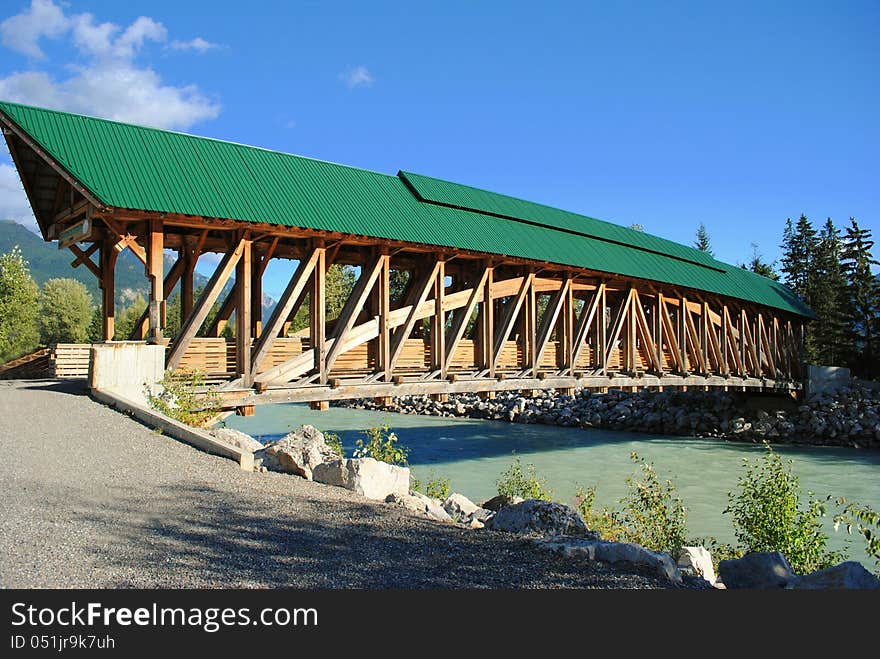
767,515
516,482
435,487
334,441
605,522
652,515
382,444
865,520
184,397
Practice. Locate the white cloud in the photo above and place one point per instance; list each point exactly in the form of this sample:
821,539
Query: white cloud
359,76
23,31
13,201
110,83
198,44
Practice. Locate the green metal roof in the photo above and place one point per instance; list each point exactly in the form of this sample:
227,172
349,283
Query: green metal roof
133,167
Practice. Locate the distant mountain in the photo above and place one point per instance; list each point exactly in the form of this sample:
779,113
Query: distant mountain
46,261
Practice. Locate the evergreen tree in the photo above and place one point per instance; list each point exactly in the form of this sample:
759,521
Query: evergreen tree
798,254
759,266
828,295
702,242
798,249
862,306
18,307
65,312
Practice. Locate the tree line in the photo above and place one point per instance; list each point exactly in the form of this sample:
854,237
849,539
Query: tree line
831,271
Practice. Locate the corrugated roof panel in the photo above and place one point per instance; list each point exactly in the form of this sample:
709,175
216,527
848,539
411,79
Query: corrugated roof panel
147,169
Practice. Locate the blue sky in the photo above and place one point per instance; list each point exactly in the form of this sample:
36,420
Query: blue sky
738,115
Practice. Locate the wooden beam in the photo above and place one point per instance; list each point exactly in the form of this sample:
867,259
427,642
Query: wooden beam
644,330
548,322
725,319
694,341
224,313
617,326
155,267
567,329
295,291
603,329
353,306
683,335
318,314
671,339
108,290
125,239
420,291
732,342
206,301
588,313
487,323
508,320
243,273
460,324
383,291
83,257
438,320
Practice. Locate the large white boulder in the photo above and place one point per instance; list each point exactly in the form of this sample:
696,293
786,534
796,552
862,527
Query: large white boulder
534,516
297,453
698,562
237,439
589,549
371,478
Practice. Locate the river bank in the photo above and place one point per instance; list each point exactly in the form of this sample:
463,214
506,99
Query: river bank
846,417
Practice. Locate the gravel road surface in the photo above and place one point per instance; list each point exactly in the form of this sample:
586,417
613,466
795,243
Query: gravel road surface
92,498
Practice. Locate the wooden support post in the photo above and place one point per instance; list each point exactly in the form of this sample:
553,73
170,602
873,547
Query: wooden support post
603,329
108,289
438,321
617,327
318,316
487,323
567,331
508,320
155,265
704,337
724,340
243,273
418,296
141,326
461,321
531,330
683,335
187,276
256,328
319,405
383,363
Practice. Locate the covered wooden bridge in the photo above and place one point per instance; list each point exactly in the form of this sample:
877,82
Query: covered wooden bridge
500,293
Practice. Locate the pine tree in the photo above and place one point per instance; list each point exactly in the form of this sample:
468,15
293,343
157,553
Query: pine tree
759,266
798,255
828,294
862,305
702,242
18,307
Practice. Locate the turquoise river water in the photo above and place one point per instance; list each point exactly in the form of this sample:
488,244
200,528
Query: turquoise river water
473,453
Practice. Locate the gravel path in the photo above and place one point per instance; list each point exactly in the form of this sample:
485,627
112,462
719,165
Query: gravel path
92,498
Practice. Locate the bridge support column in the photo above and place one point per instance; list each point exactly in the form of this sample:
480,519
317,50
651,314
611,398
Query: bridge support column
319,405
155,264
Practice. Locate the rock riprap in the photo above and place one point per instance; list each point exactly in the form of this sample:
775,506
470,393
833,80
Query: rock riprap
847,416
237,439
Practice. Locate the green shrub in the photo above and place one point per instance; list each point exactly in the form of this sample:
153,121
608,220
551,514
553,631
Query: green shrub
768,516
435,487
605,522
652,515
865,520
382,444
184,397
334,441
516,482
